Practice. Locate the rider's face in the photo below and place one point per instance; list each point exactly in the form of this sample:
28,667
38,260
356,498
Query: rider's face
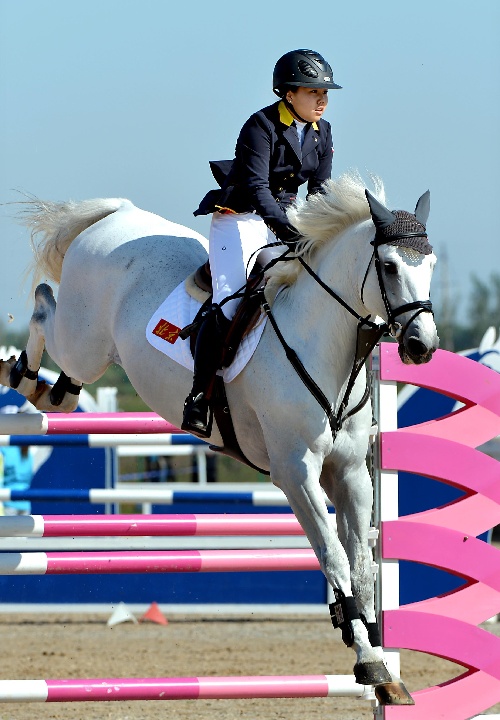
309,103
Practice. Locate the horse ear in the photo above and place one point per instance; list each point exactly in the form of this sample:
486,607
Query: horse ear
381,216
423,208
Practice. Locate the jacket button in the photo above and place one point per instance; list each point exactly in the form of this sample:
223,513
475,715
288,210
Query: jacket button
280,189
292,175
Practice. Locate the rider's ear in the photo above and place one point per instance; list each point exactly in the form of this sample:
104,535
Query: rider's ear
381,216
423,208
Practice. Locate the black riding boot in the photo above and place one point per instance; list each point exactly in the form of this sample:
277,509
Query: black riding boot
197,417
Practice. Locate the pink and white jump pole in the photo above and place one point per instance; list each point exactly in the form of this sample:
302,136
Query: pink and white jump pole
84,423
149,525
156,561
183,688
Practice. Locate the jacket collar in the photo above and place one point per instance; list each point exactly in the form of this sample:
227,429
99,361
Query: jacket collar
286,116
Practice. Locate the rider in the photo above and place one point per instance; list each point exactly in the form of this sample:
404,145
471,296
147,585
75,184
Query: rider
279,148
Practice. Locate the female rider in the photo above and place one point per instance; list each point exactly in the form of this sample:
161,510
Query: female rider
279,148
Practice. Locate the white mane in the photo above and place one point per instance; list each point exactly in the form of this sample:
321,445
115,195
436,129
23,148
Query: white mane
323,216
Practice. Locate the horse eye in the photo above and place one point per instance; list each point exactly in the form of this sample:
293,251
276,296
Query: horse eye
391,268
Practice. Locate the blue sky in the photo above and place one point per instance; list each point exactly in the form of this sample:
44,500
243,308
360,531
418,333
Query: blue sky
119,98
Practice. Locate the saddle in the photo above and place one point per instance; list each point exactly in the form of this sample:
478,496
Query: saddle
249,312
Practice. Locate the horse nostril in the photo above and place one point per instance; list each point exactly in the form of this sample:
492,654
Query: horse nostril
416,347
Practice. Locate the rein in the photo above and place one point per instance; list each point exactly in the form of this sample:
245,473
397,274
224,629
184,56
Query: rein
366,339
368,334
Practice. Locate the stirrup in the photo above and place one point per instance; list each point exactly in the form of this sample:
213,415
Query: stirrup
198,416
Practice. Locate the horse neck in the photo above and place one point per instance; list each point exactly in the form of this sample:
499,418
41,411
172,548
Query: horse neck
318,322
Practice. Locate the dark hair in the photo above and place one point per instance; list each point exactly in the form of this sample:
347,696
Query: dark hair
283,89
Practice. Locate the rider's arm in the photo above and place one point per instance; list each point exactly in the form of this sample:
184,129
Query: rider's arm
253,160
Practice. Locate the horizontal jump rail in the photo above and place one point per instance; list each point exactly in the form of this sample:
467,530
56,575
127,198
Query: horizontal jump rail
143,525
158,496
183,688
156,561
84,423
101,440
184,525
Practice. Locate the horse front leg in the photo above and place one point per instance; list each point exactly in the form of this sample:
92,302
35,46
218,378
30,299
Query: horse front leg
300,483
22,373
351,493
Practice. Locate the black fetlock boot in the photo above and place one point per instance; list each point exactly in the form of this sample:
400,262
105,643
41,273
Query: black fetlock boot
197,418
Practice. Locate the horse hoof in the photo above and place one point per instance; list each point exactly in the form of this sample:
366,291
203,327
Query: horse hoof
393,693
372,673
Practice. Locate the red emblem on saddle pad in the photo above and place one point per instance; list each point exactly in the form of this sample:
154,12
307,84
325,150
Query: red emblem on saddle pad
167,331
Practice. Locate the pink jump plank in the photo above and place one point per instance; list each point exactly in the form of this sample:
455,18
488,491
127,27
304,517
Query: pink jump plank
471,426
187,688
108,423
473,604
158,561
473,515
448,373
170,525
461,699
446,460
444,637
444,548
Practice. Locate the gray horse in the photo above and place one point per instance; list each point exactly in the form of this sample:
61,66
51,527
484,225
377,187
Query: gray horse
359,266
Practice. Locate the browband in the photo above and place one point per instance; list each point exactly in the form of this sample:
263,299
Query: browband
381,239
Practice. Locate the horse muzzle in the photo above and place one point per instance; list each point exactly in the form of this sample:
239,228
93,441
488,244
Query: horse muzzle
417,338
417,345
413,351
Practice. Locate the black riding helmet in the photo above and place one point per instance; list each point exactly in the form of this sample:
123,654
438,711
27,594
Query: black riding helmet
302,68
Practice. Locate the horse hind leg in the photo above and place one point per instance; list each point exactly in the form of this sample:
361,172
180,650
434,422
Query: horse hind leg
22,374
23,371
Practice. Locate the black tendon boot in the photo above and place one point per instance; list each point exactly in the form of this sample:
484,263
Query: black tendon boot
197,418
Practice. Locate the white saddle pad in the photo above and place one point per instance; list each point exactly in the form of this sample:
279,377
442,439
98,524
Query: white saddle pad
177,311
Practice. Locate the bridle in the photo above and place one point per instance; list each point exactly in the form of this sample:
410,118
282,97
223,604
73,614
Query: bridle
368,333
395,329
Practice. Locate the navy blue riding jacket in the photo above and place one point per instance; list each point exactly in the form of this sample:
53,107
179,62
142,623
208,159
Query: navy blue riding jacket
270,166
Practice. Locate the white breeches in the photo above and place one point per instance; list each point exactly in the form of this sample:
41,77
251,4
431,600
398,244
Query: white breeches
233,240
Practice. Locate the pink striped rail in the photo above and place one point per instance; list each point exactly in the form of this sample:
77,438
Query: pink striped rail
154,525
79,423
182,688
97,423
156,561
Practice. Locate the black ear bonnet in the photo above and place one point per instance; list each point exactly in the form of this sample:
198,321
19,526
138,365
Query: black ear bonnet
401,227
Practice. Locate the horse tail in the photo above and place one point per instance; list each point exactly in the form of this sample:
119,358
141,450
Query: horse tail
55,225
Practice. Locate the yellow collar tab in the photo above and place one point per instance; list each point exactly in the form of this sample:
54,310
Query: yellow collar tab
287,118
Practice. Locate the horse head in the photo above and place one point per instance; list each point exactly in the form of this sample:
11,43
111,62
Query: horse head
404,261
